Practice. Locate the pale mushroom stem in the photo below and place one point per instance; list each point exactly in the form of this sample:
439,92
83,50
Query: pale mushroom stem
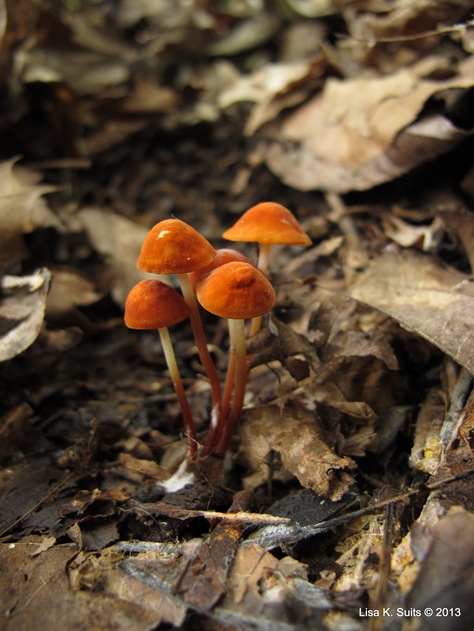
200,338
264,257
263,265
237,333
179,389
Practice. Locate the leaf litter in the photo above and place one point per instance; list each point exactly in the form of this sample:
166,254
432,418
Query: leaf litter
348,486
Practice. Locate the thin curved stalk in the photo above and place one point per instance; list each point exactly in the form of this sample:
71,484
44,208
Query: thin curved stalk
263,265
170,358
201,343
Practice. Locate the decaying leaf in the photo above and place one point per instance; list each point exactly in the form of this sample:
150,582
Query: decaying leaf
43,598
22,308
296,437
246,35
120,240
427,238
22,210
463,223
397,18
278,341
434,301
148,468
271,89
69,290
446,577
359,133
205,580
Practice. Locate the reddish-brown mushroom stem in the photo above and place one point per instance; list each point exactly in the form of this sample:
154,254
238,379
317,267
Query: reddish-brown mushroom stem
174,247
154,305
223,256
236,291
201,343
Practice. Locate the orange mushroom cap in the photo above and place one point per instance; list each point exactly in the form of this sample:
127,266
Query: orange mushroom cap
174,247
153,305
268,222
237,291
223,256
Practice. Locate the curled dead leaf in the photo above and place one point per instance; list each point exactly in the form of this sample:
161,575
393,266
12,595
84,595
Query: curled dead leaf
423,296
361,132
22,210
22,308
295,435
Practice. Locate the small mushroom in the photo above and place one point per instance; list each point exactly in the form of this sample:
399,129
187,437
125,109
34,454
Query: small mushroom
236,291
174,247
267,224
223,256
152,304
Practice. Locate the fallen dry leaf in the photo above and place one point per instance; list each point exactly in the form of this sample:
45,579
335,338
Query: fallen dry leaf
120,240
22,210
205,581
272,89
423,296
446,578
397,18
69,290
463,223
360,132
427,238
22,309
295,435
36,593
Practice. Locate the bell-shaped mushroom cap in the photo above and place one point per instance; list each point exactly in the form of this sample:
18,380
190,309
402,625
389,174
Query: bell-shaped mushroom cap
153,305
223,256
268,222
236,291
174,247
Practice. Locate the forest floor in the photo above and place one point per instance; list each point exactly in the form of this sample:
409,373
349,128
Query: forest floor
346,499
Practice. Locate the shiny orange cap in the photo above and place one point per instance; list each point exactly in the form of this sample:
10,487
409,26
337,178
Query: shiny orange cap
237,291
268,222
223,256
153,305
174,247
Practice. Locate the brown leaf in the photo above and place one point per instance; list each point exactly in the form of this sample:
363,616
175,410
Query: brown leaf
205,580
446,578
373,343
278,341
22,310
295,435
361,132
271,88
120,240
463,223
434,301
22,210
148,468
69,290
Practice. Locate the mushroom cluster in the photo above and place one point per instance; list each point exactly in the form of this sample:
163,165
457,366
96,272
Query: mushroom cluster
224,282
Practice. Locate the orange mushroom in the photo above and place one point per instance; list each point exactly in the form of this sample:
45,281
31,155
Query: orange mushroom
154,305
267,224
174,247
236,291
223,256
